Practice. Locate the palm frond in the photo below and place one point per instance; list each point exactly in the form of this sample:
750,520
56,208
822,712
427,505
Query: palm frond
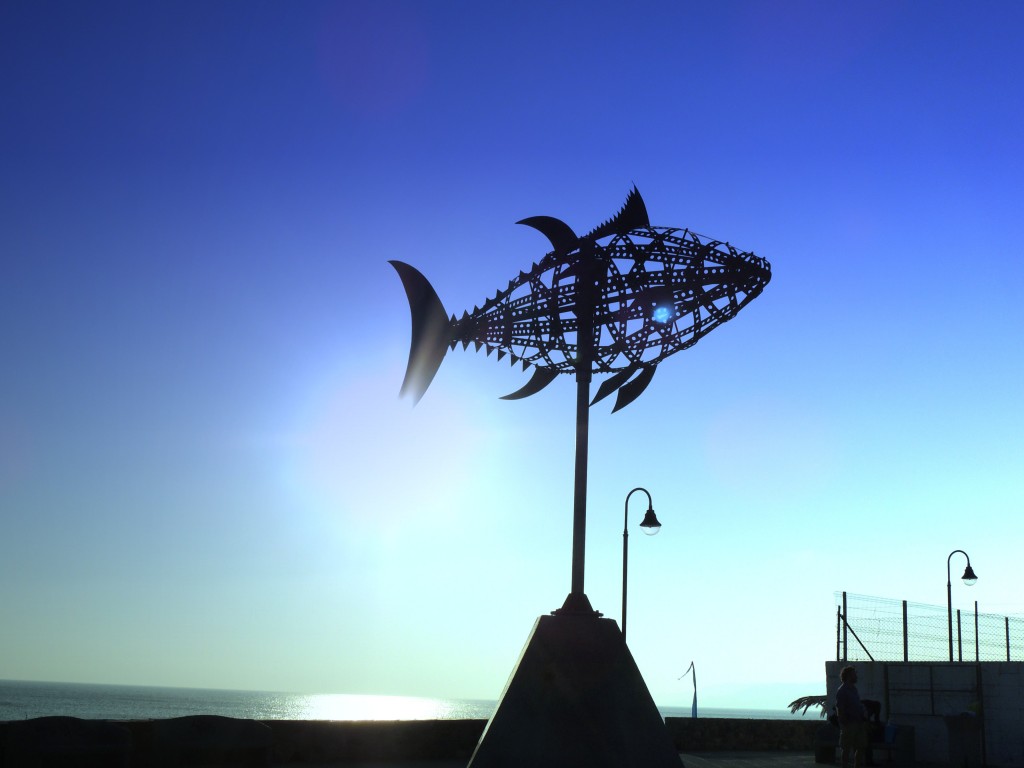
806,702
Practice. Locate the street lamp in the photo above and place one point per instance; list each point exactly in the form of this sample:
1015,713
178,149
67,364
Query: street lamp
650,526
969,579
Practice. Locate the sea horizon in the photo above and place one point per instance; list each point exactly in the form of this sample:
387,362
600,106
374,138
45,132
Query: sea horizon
26,699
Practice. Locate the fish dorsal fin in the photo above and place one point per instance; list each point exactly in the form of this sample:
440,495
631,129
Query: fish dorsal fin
632,216
562,238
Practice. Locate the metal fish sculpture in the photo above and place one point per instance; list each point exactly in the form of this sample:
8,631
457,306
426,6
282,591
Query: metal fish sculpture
636,293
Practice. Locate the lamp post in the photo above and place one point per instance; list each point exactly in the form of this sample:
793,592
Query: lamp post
969,579
650,526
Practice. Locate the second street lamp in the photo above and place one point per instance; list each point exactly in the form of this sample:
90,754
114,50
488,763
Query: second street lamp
650,526
969,579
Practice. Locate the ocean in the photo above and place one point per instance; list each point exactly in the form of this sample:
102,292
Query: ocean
20,700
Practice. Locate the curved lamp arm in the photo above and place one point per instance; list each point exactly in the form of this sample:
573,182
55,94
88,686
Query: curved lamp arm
969,578
650,508
650,526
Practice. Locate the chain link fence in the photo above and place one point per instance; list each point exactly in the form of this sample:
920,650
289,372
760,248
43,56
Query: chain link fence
882,629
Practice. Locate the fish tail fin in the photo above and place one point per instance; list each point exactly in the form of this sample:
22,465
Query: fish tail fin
430,331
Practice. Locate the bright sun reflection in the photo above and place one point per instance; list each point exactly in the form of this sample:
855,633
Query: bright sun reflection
341,706
662,314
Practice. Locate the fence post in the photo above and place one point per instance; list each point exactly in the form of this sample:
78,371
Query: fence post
844,629
906,655
846,645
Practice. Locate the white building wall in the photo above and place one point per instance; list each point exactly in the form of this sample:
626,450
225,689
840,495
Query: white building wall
924,694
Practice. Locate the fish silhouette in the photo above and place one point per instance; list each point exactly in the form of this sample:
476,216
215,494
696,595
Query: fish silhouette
639,293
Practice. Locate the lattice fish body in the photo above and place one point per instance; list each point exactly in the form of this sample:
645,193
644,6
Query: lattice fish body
641,292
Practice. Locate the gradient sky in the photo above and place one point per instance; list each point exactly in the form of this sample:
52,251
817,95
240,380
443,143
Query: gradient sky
207,477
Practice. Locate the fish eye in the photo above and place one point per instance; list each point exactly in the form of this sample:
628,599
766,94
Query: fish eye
661,314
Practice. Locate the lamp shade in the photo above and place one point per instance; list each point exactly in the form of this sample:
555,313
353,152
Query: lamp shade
650,524
969,577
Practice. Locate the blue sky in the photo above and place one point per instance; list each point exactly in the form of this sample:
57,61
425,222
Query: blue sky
207,477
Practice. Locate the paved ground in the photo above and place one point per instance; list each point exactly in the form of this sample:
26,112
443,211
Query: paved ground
701,760
749,760
690,760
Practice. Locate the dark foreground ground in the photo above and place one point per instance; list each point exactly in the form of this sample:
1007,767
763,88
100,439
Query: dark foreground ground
703,760
211,740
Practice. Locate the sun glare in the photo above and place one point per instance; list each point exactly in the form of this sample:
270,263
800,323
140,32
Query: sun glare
341,706
359,438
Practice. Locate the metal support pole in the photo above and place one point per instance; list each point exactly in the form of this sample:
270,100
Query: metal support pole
625,558
625,548
861,644
579,506
1007,637
577,602
959,640
949,605
977,654
968,574
693,707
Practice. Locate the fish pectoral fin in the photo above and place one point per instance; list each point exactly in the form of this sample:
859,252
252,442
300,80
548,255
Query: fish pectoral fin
562,238
631,391
612,383
540,379
431,333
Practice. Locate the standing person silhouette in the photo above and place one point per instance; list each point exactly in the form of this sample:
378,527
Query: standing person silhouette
853,725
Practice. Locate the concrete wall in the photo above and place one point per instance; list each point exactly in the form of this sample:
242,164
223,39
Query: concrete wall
318,742
211,740
962,713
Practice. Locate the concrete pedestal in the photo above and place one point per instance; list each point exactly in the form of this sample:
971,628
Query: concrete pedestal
575,698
